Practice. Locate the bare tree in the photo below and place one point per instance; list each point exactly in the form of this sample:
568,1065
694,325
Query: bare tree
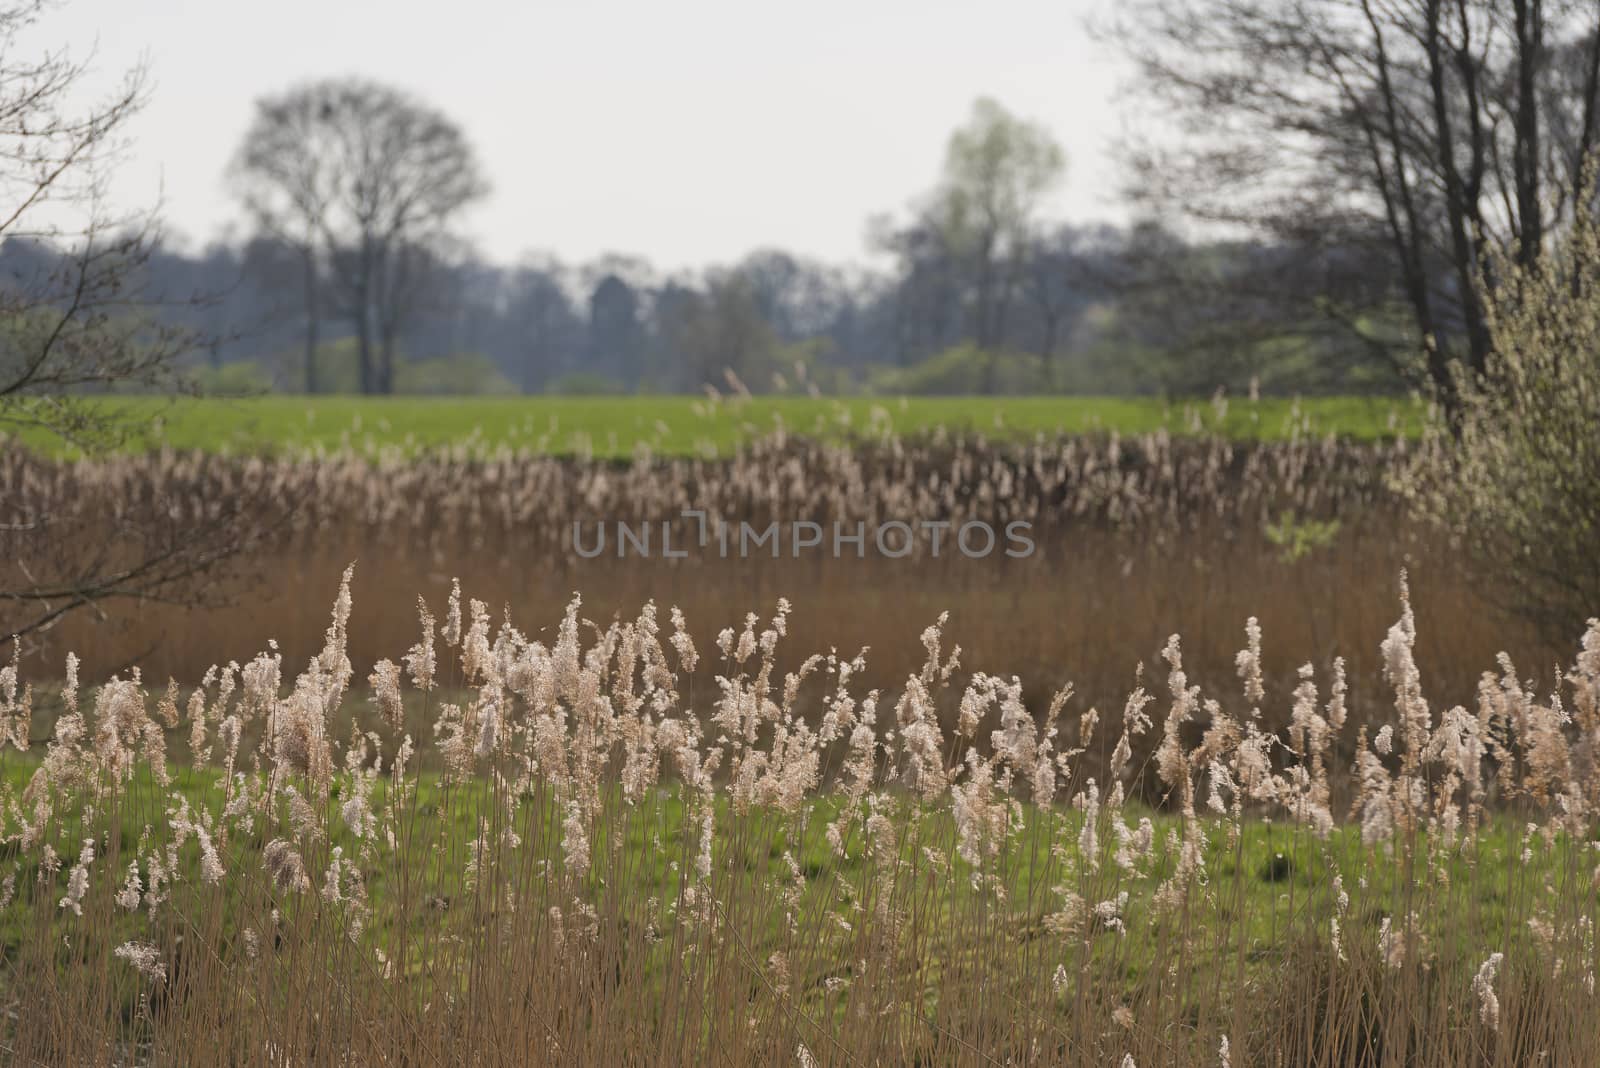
1055,281
367,180
976,227
926,299
723,332
545,320
283,176
76,320
997,169
65,322
1435,130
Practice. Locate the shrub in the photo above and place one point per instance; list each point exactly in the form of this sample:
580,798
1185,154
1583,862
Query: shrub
240,378
1514,470
469,373
585,383
960,371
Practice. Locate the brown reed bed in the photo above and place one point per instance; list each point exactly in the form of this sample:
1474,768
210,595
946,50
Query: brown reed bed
1134,538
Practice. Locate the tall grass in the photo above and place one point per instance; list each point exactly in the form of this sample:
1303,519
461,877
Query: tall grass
1136,537
590,857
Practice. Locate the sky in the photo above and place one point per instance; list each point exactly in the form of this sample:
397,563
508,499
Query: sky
688,132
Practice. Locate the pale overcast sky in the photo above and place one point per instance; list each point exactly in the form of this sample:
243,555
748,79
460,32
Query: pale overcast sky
686,131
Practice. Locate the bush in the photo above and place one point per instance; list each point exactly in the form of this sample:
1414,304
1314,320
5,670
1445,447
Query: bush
585,383
336,368
240,377
338,372
1514,470
465,373
961,371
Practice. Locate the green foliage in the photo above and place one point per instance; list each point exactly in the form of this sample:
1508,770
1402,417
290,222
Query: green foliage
1198,358
961,371
1297,538
470,373
336,367
460,374
1109,366
241,378
585,383
996,168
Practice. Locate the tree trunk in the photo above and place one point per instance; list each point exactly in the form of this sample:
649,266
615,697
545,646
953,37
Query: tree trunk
536,349
364,343
1401,213
1463,253
386,359
1051,328
312,324
1526,160
982,329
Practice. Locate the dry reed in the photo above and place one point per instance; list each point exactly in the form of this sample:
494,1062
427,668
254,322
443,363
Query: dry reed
1135,537
586,860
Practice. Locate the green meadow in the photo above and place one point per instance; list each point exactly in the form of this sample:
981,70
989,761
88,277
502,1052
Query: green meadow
689,425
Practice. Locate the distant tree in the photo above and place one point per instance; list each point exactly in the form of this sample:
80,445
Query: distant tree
859,329
366,180
1056,285
973,234
544,322
1223,313
997,169
192,291
677,303
272,312
1438,133
799,298
458,308
922,310
616,330
776,281
723,332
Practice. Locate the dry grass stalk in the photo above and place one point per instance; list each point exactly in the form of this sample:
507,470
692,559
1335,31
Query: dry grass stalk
578,863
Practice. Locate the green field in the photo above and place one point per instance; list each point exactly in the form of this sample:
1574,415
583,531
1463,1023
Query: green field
686,425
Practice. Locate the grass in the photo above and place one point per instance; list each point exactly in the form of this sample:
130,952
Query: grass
687,425
560,896
581,863
1271,876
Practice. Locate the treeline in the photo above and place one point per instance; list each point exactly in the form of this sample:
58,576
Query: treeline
1330,204
354,278
1088,310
